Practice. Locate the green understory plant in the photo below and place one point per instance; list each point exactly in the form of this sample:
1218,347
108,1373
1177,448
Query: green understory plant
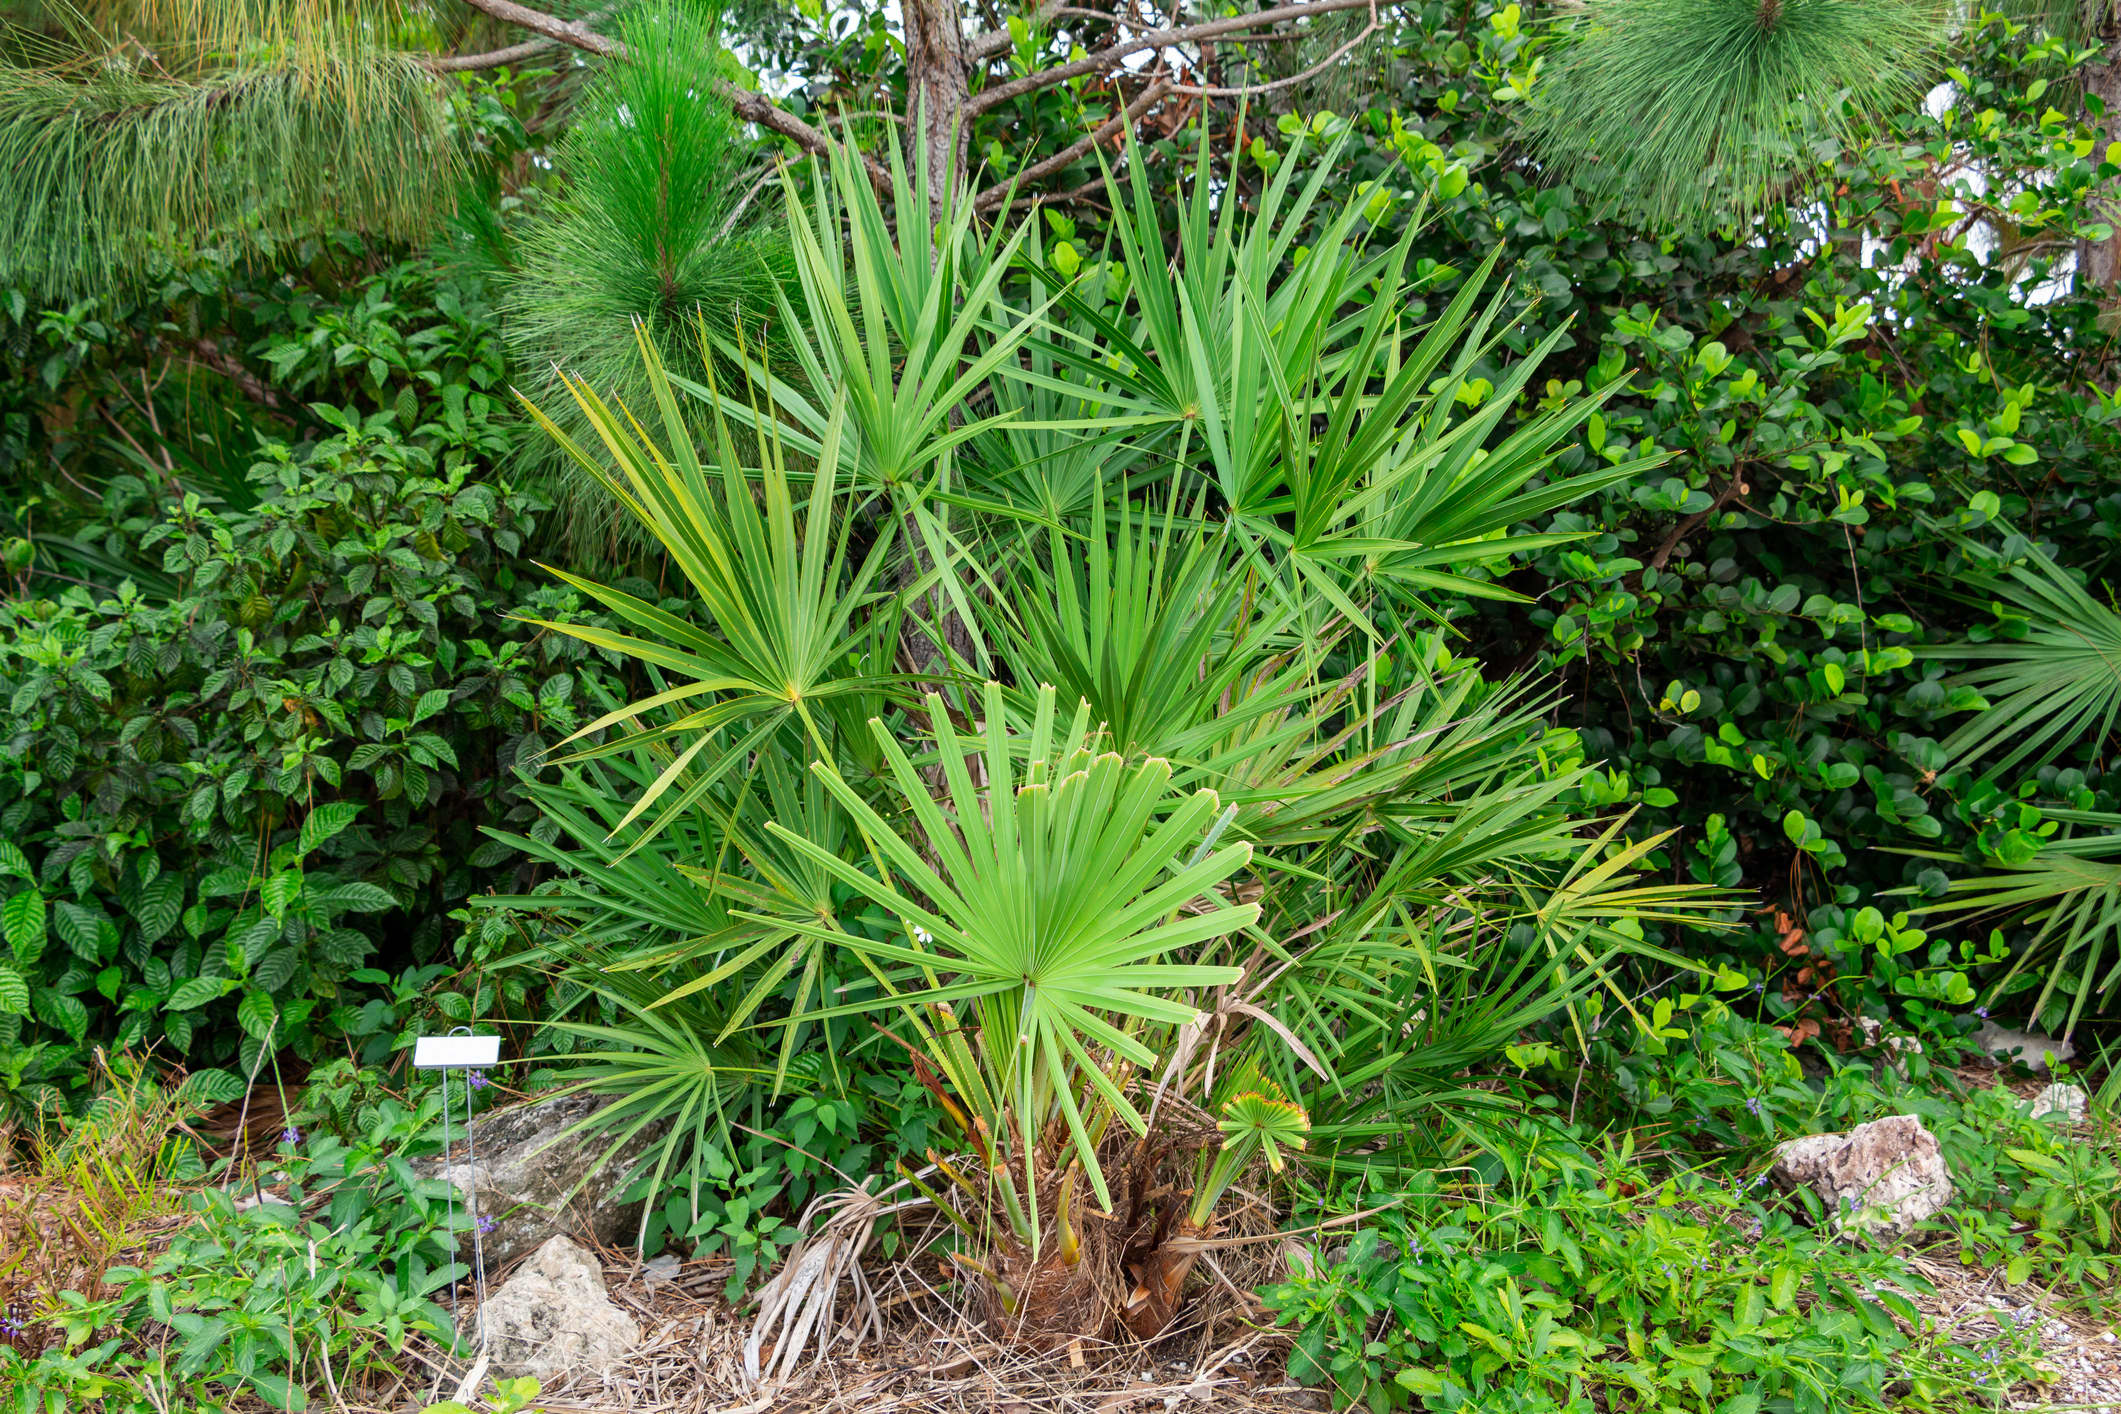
1581,1277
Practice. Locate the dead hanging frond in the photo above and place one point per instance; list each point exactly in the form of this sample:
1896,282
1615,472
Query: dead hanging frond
799,1308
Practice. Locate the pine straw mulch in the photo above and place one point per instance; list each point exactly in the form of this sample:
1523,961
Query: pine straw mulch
929,1360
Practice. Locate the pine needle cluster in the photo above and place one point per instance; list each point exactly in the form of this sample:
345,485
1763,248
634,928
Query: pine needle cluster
649,226
139,133
1689,112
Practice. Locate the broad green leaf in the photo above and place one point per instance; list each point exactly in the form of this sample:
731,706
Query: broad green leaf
197,993
324,822
22,918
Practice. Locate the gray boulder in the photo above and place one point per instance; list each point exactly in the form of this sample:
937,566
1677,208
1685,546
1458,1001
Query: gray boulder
554,1318
1880,1178
2029,1048
526,1170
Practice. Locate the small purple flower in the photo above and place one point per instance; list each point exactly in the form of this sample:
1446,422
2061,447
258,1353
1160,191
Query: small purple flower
1759,987
1752,1104
290,1135
486,1224
1982,1012
477,1080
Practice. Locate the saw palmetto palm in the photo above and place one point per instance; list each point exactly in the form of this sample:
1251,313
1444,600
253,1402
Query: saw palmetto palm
1055,900
2068,899
777,584
2050,673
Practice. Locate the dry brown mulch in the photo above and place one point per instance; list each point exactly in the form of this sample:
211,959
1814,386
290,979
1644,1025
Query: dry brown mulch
929,1361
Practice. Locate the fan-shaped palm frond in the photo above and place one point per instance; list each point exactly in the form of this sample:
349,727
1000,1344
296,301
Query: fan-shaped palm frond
2069,895
1682,111
1062,880
2051,674
1148,618
780,592
667,1078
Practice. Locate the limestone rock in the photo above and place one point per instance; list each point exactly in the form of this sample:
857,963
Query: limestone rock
554,1319
525,1168
2069,1101
1881,1178
2029,1048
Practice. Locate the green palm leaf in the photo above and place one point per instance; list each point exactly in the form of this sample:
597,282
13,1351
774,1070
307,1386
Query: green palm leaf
2052,677
1063,884
775,585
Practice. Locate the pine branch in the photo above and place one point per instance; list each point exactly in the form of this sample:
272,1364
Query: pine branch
111,174
1151,39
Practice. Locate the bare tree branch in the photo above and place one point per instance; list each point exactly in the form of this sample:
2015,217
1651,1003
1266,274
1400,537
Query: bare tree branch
758,108
1244,90
997,41
570,32
492,58
209,354
1000,193
1149,39
513,54
751,107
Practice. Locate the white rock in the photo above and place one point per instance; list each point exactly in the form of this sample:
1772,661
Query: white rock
2070,1101
1882,1178
2029,1048
554,1319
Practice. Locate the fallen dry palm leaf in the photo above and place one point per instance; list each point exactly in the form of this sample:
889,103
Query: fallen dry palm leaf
797,1309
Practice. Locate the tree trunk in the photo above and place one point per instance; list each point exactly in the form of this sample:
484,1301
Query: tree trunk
935,92
2099,262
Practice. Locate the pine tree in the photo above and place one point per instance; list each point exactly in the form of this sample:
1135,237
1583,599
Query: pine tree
141,132
1678,112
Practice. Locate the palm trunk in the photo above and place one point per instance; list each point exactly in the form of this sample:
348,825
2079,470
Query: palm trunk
1153,1302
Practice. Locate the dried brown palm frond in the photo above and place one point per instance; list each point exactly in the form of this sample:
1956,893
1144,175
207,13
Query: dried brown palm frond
798,1308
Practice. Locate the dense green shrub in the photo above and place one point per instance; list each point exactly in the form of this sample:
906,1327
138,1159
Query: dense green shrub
1850,399
1586,1279
244,780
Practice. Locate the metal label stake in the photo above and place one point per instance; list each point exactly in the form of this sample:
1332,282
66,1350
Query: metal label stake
461,1050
